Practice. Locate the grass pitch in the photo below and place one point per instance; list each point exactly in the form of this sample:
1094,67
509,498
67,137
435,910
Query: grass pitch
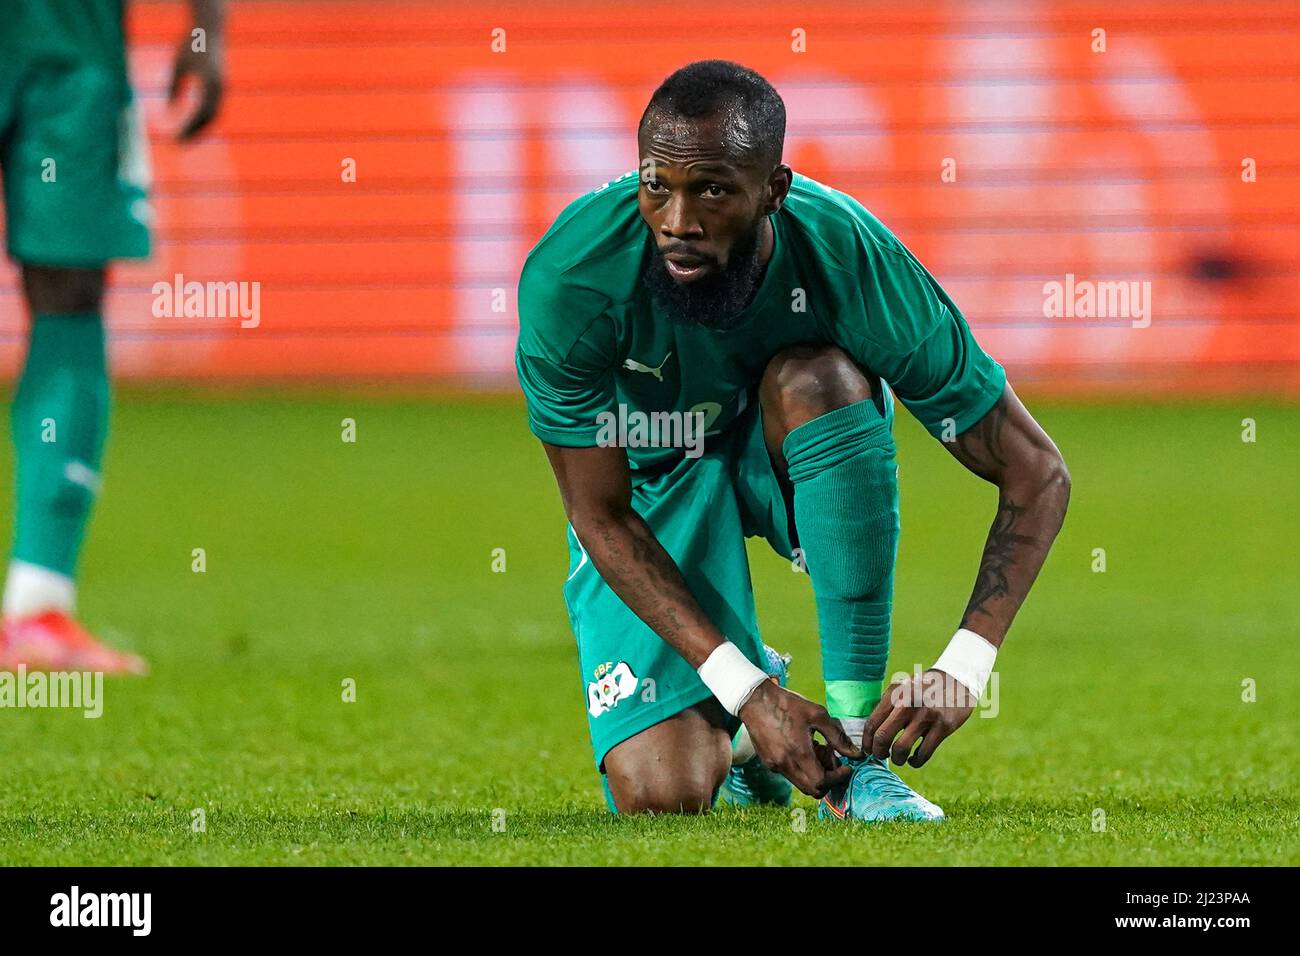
1121,692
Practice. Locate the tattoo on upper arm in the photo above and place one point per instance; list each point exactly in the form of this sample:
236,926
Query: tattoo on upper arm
980,447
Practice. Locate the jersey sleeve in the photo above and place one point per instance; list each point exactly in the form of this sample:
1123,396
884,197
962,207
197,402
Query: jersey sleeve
564,359
917,340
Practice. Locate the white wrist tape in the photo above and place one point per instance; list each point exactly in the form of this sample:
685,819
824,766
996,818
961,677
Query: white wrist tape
731,677
968,659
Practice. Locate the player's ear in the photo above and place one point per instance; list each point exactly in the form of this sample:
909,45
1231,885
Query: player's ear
778,187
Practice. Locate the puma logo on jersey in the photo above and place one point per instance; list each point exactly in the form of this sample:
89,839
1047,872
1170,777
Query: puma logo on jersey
632,365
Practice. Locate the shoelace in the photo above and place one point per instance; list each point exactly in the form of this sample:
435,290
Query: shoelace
887,783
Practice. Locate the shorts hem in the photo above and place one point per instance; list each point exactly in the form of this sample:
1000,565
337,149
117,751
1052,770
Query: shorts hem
29,257
649,717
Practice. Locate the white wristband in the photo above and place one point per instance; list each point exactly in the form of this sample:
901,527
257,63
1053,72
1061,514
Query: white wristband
968,658
731,676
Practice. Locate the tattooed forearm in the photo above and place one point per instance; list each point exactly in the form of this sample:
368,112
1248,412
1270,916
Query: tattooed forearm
644,575
993,582
1026,524
596,487
1007,448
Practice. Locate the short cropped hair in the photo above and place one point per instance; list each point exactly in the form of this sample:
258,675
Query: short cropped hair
708,87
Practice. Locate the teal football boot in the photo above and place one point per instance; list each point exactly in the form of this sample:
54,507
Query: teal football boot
874,794
749,783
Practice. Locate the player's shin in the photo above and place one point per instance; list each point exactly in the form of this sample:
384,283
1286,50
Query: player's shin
59,419
842,465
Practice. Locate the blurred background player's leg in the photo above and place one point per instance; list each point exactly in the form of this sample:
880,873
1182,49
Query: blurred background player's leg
59,422
59,419
74,183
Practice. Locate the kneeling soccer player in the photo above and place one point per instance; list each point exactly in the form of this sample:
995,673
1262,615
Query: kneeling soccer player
719,287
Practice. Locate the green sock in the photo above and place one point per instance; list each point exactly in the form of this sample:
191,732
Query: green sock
60,419
842,466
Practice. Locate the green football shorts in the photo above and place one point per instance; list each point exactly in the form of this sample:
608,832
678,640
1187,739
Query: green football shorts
701,511
75,164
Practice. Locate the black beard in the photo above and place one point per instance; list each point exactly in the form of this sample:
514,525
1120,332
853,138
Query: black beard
716,300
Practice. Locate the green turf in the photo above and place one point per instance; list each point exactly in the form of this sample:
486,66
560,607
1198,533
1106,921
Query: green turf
1120,691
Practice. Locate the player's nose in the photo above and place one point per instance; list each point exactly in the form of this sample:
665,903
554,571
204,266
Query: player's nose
677,222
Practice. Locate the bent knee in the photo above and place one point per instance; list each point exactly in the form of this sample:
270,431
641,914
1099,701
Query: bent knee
60,289
683,796
803,382
674,785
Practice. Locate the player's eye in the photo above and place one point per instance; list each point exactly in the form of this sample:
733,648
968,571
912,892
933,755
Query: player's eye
652,185
714,191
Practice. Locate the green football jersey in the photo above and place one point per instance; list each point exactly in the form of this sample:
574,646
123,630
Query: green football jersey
72,30
590,339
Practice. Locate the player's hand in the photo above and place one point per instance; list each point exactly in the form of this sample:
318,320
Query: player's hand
926,707
207,69
781,725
